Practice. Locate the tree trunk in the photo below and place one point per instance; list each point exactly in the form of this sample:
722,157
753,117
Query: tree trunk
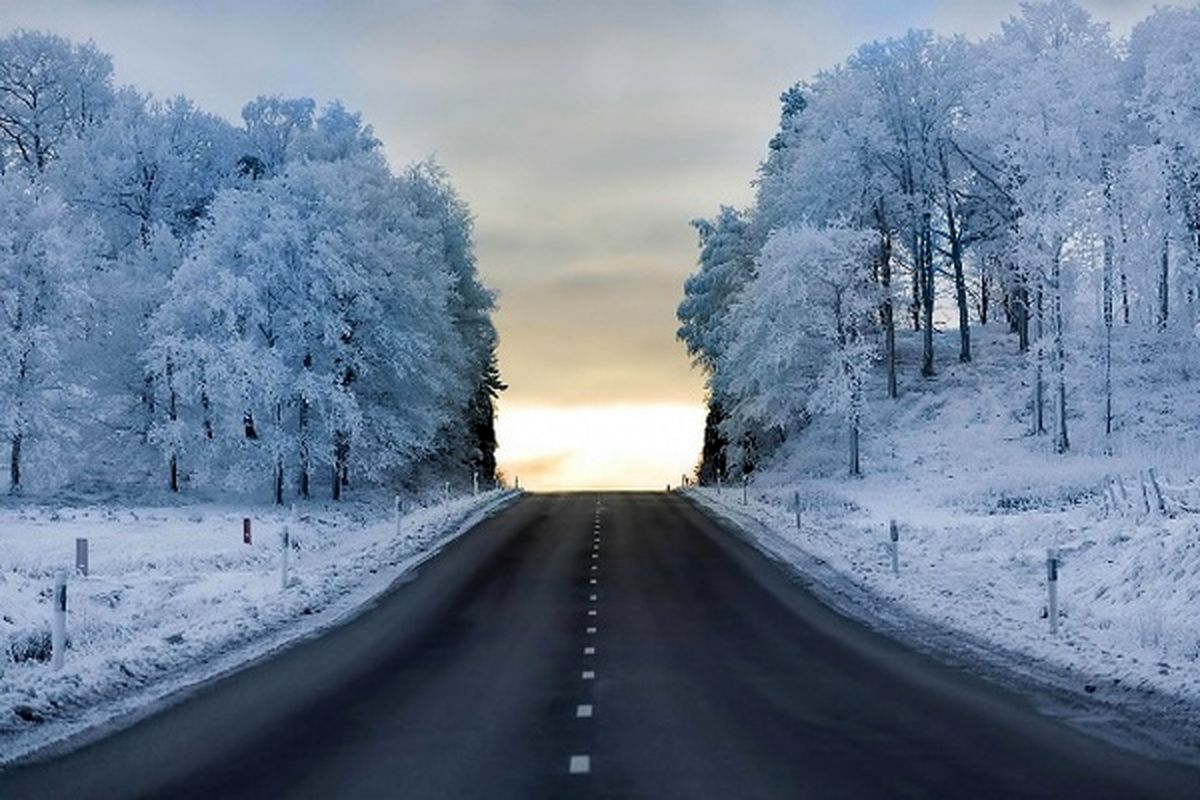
14,465
1107,289
984,298
1062,442
915,307
1021,316
278,456
1039,388
1124,298
956,260
1164,285
960,293
927,292
305,460
173,416
341,463
855,467
206,405
889,323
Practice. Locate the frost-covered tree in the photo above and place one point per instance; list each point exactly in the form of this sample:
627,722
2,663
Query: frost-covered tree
324,335
44,255
269,300
1051,172
1047,105
805,330
468,440
51,91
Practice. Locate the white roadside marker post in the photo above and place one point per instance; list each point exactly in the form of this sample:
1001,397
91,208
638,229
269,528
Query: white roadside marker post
399,511
446,492
895,536
1052,588
718,483
796,505
518,483
745,489
475,482
285,544
58,623
81,557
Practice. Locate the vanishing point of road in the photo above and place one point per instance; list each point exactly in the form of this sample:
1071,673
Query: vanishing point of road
600,646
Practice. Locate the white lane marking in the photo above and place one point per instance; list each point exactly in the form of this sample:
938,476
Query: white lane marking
589,651
595,555
591,612
594,568
595,597
583,711
593,581
591,630
580,765
589,675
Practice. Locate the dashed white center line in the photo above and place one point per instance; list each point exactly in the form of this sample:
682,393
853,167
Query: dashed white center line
583,711
589,675
591,631
591,612
589,651
594,598
593,581
580,765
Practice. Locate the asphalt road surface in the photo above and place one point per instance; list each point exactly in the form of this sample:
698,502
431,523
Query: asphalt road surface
589,645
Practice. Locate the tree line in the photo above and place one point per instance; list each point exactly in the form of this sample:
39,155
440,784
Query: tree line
1047,176
260,308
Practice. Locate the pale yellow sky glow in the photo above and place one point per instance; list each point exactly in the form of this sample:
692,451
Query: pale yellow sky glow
585,135
599,447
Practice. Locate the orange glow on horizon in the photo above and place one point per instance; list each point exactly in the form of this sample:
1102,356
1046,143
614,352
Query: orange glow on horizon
599,447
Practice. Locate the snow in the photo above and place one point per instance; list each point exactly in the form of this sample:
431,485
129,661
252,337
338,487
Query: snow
174,597
978,502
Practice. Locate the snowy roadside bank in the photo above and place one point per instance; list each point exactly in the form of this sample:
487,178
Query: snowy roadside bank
174,598
972,587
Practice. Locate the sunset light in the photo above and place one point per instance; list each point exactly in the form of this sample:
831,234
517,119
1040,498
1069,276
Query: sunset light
599,447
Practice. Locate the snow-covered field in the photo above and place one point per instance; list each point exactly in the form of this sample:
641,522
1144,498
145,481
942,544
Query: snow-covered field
174,597
978,502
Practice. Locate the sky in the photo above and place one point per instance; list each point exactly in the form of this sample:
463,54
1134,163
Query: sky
584,135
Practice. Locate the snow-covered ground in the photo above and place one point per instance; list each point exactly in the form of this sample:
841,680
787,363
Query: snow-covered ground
174,597
978,502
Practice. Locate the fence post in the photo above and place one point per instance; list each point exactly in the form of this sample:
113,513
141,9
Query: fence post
895,536
718,482
58,623
1158,495
474,482
81,557
1052,588
247,536
285,543
446,492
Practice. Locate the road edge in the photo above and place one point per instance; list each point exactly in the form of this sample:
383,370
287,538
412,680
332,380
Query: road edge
123,711
1133,719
